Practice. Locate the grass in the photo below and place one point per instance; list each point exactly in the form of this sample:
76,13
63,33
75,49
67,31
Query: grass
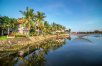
3,37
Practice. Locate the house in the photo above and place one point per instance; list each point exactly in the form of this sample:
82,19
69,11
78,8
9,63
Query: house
21,28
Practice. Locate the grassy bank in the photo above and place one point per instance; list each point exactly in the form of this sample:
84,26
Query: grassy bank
3,37
18,44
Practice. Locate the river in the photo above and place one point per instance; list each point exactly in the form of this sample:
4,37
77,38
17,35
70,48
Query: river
83,51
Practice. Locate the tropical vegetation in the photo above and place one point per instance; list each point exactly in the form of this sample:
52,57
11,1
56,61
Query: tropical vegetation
32,23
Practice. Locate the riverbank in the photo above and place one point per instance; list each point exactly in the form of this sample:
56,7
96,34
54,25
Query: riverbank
16,44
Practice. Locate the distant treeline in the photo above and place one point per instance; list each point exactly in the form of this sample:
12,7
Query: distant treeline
90,32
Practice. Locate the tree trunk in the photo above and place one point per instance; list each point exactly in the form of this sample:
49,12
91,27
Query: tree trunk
2,32
8,30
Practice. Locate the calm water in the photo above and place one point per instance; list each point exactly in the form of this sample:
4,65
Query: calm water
86,51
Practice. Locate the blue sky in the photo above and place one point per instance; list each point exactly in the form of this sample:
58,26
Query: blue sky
79,15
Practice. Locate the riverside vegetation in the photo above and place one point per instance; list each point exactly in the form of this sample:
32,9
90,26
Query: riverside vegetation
31,24
32,28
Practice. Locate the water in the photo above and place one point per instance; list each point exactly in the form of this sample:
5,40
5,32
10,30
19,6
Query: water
77,52
86,51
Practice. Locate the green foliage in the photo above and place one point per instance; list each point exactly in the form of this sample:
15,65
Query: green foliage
33,32
19,35
57,27
29,17
8,22
28,14
33,21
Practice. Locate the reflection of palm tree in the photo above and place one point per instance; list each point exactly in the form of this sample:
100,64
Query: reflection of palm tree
46,48
52,45
37,58
7,61
82,39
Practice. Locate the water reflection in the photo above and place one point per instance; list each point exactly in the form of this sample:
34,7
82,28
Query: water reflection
82,40
35,55
7,61
59,52
34,59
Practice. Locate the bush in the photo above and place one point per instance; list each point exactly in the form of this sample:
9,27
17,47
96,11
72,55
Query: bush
33,32
19,35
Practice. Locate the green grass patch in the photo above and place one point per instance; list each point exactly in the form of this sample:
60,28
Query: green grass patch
3,37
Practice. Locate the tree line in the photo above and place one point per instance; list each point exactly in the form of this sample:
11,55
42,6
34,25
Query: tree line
32,22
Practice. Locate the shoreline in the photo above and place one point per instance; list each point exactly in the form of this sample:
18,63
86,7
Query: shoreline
16,44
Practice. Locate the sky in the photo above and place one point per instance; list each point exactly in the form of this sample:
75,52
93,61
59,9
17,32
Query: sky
78,15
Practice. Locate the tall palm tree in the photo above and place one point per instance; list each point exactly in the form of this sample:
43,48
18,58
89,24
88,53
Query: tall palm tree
14,24
39,20
47,27
54,26
29,17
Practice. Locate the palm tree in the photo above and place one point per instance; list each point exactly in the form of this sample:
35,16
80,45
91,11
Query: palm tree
57,27
47,27
5,23
14,24
29,17
39,20
53,26
8,24
2,25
